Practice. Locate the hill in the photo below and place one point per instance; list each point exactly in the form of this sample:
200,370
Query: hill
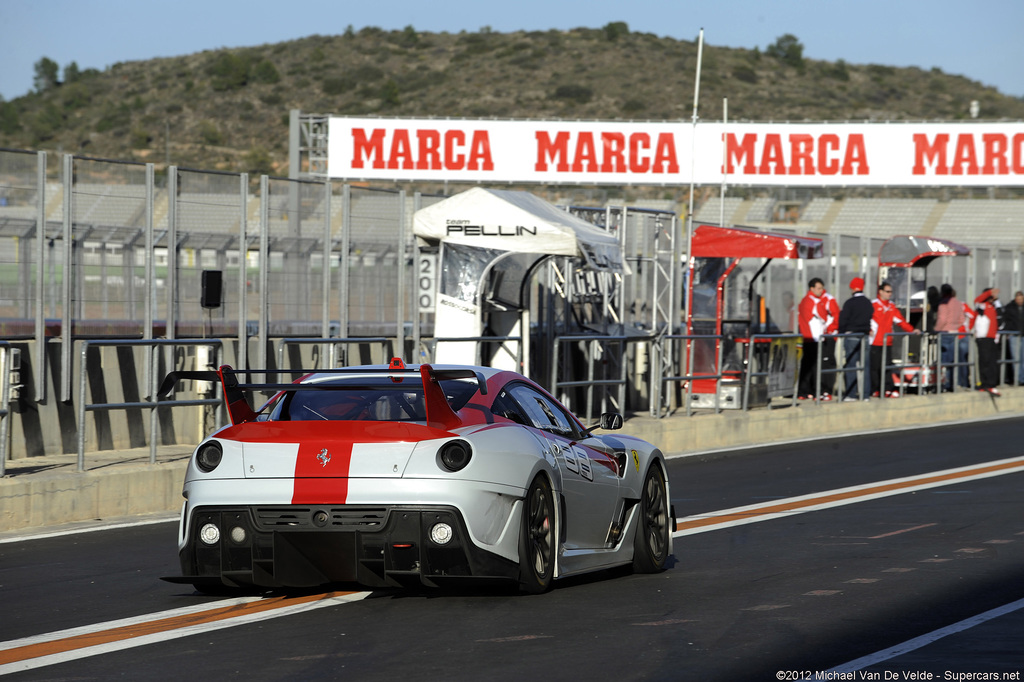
228,109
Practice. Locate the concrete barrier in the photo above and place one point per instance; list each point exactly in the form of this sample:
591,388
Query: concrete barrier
709,432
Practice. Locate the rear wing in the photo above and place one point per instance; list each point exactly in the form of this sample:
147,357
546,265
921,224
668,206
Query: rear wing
240,408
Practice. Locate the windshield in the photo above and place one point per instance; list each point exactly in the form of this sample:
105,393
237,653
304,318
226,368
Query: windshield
366,398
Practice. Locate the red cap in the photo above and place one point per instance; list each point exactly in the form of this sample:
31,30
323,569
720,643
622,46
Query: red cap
857,284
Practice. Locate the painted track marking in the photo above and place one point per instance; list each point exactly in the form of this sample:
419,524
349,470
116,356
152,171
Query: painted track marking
91,640
765,511
925,640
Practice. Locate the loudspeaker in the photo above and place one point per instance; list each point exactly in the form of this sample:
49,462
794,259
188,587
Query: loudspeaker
211,288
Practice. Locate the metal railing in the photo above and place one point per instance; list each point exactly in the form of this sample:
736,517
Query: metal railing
329,347
861,369
479,341
888,341
152,404
595,342
687,378
1009,354
925,374
750,374
962,365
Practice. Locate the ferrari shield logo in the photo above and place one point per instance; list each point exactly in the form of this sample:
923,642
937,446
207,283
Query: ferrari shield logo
636,460
324,457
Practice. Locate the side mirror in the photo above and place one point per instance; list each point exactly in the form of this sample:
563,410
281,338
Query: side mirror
610,421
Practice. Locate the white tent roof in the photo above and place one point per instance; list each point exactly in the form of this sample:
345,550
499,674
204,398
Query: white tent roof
518,222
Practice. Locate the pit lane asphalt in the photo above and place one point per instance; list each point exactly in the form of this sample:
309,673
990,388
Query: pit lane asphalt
798,594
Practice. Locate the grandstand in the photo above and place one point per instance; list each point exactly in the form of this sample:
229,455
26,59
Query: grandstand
983,222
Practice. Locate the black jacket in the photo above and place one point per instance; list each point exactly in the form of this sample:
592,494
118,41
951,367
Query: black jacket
855,317
1013,317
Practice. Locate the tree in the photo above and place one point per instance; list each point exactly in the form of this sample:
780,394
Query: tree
615,29
46,74
257,161
72,73
9,122
788,50
389,94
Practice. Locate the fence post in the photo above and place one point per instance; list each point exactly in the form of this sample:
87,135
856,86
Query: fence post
67,280
40,307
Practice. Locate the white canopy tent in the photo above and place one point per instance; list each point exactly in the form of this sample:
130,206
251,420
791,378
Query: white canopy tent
490,242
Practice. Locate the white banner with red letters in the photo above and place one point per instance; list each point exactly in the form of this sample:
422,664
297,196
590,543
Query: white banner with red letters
612,152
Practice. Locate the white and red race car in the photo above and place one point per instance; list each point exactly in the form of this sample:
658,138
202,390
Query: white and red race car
396,475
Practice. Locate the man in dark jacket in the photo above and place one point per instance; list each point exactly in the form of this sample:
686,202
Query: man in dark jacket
1013,322
855,319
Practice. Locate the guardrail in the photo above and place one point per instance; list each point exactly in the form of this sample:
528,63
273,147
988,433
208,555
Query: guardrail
687,378
841,366
330,345
1008,340
478,340
151,405
961,369
595,341
751,374
669,353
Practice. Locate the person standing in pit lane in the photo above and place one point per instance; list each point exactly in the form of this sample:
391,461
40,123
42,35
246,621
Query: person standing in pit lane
986,333
885,316
855,318
948,321
830,309
811,320
1013,321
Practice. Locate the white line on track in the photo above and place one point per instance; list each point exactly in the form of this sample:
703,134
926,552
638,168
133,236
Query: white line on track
765,511
925,640
91,640
87,527
841,436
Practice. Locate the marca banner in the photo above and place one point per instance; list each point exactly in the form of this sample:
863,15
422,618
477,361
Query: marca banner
612,152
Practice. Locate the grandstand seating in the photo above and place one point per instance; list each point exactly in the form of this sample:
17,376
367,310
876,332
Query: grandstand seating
882,217
978,221
710,211
816,210
761,210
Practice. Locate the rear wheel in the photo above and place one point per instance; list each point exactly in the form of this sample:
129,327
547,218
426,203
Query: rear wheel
650,544
537,538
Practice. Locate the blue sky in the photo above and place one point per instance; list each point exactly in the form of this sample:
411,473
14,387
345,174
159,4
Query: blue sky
980,40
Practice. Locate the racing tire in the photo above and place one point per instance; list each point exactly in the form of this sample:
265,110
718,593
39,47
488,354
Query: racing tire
650,544
537,538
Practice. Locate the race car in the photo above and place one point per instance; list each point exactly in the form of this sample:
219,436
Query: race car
396,475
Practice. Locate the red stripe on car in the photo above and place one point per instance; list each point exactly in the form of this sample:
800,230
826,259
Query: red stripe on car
321,473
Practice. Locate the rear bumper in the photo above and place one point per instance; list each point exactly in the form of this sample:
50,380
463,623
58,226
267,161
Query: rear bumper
311,545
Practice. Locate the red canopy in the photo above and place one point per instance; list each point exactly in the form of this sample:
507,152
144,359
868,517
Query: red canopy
712,241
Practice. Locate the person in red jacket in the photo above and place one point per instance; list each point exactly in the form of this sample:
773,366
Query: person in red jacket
811,322
986,331
886,316
828,345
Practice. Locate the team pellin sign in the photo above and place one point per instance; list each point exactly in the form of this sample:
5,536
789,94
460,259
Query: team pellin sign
613,152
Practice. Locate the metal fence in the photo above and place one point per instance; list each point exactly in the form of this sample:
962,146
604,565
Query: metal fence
99,249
